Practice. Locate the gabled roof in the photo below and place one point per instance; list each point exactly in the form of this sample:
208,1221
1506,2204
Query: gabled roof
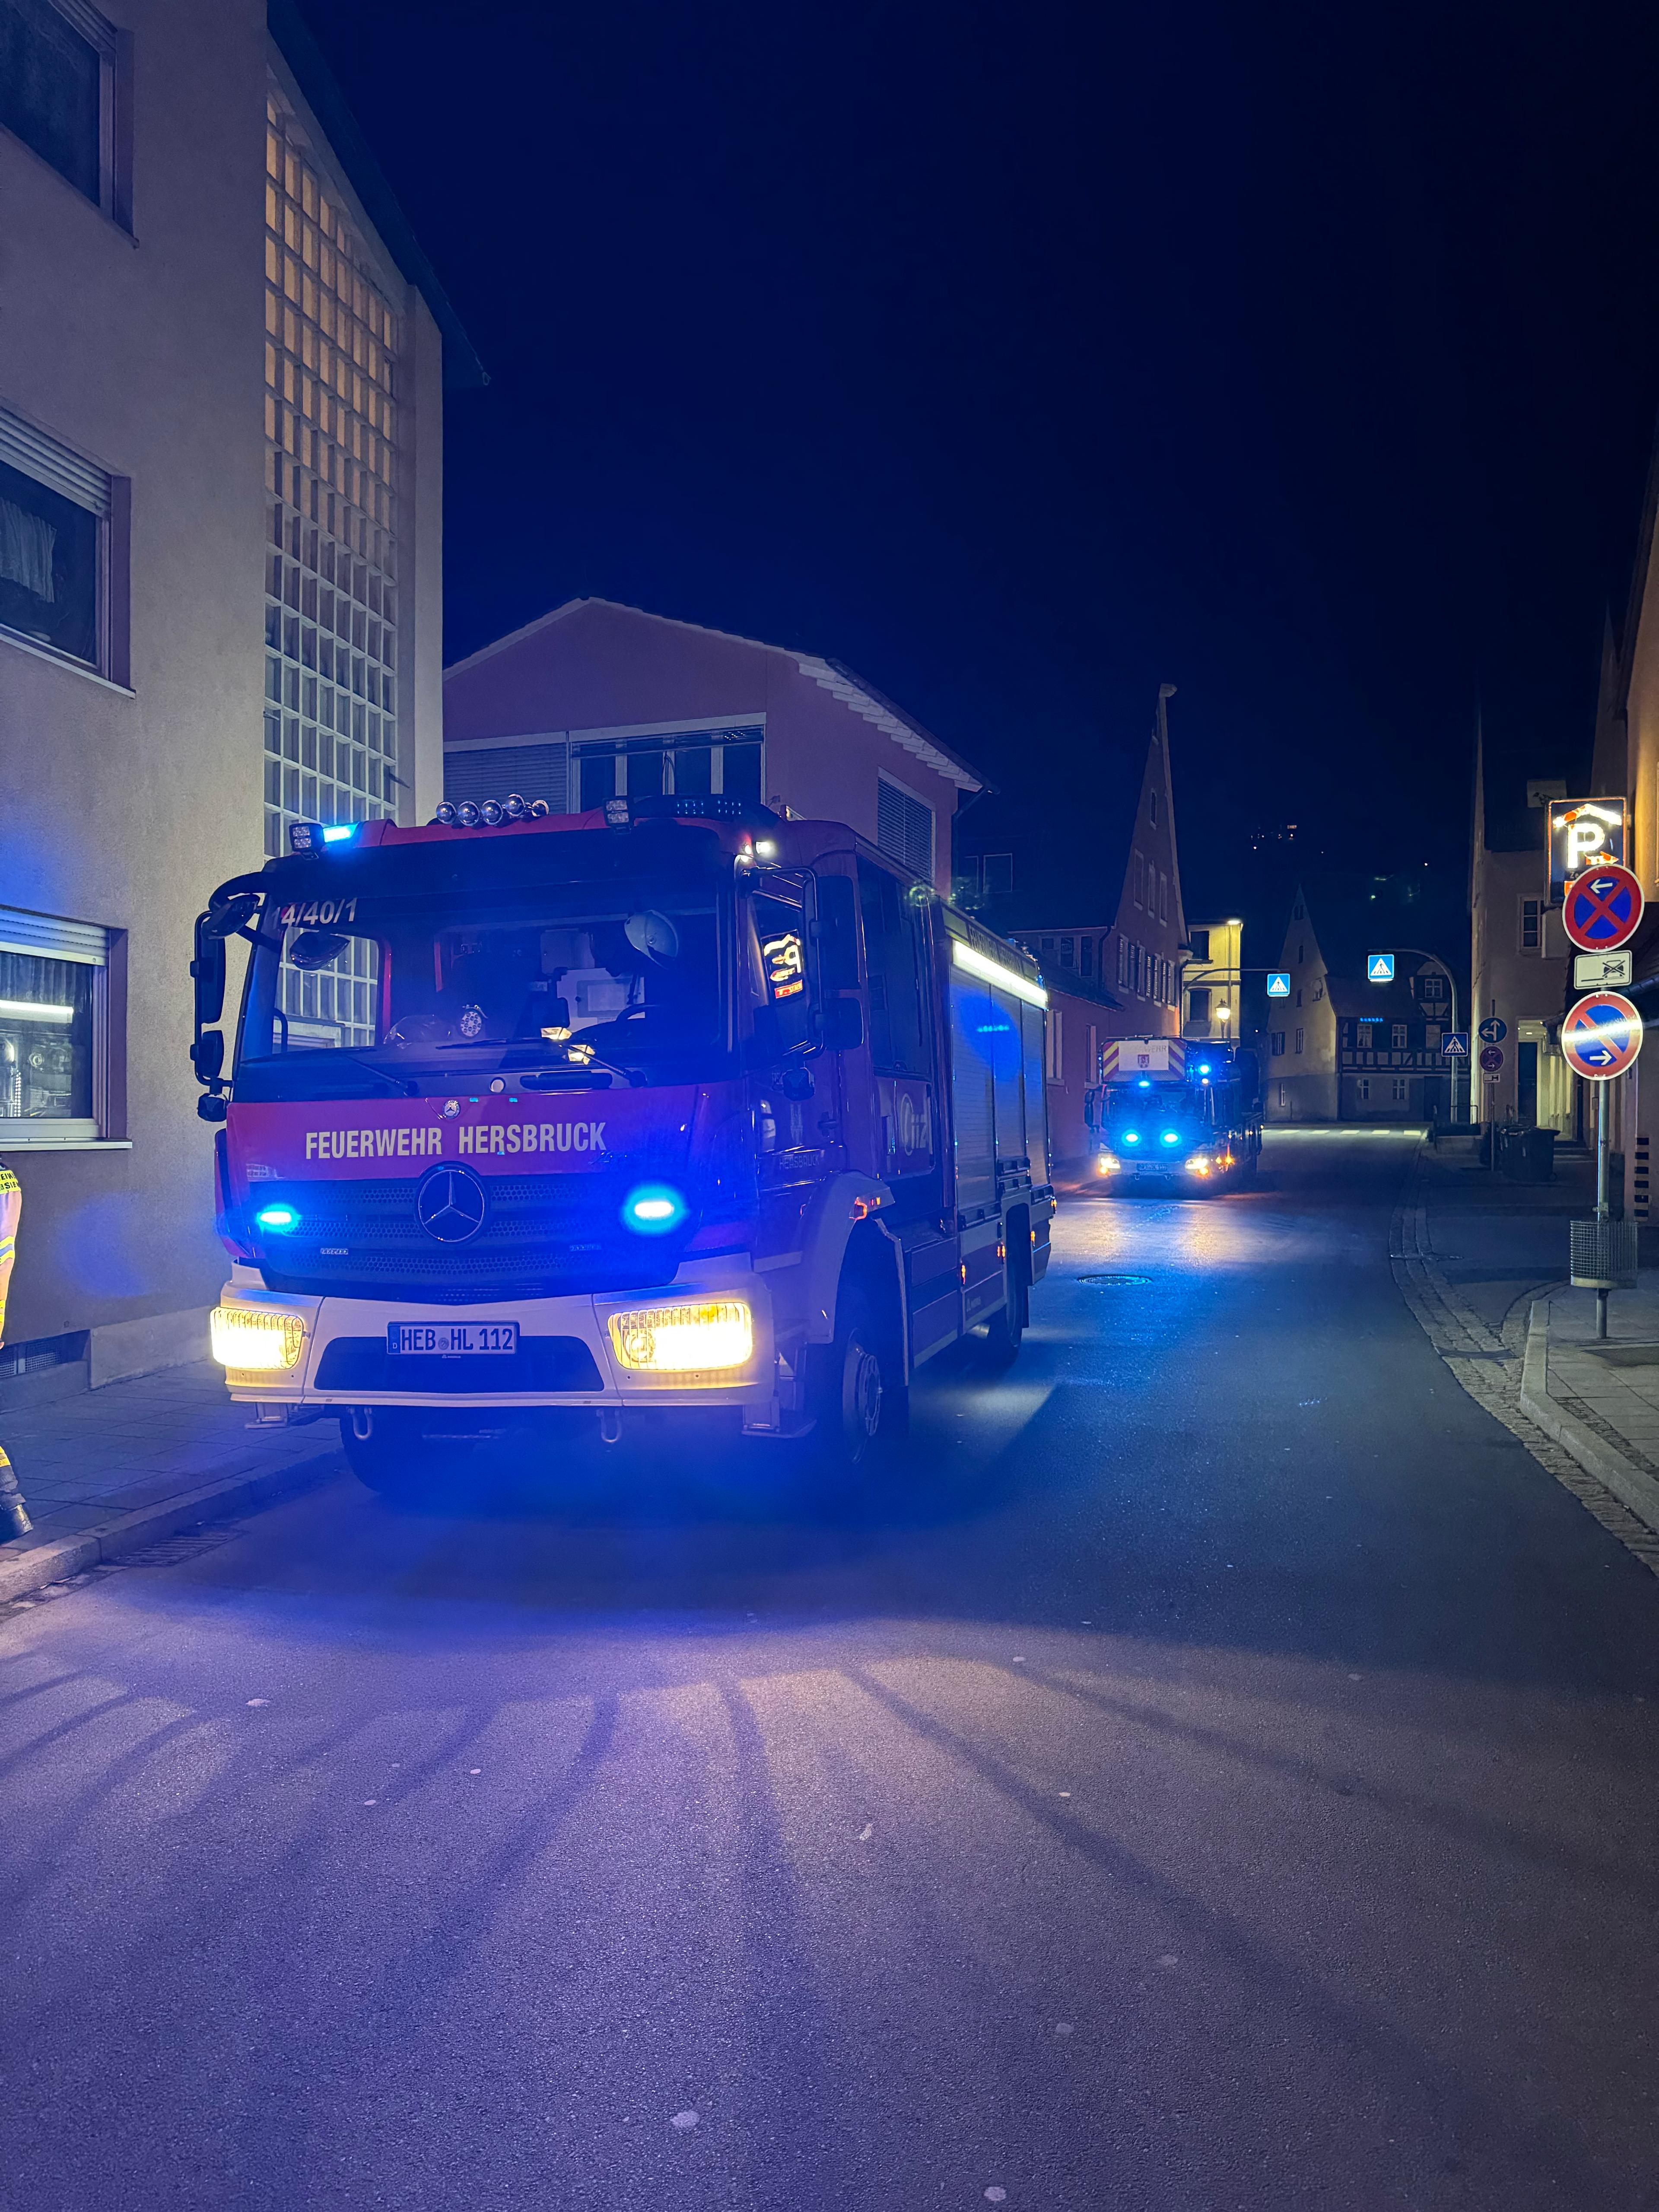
832,676
463,370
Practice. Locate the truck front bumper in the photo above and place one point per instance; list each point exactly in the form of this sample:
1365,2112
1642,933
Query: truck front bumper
341,1358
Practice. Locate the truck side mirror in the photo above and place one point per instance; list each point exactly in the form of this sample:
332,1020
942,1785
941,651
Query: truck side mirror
843,1025
838,934
207,972
208,1054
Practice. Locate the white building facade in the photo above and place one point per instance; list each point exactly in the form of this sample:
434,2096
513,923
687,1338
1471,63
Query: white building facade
221,373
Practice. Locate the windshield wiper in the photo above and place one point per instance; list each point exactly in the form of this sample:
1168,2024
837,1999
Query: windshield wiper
395,1084
538,1074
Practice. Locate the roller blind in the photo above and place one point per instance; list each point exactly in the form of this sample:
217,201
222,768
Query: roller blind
23,447
52,939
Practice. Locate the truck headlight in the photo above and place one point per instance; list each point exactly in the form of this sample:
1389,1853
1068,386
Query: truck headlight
256,1340
1110,1163
1199,1164
684,1339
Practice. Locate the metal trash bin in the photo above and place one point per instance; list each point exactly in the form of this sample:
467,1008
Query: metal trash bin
1603,1255
1526,1155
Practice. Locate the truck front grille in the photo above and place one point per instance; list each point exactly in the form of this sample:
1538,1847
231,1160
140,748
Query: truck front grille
542,1235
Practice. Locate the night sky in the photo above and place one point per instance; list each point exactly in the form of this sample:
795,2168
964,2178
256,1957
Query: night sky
1022,357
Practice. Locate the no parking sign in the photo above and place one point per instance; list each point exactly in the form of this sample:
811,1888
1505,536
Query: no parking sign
1602,1036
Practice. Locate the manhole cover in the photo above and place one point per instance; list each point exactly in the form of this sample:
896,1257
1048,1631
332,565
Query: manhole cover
1111,1282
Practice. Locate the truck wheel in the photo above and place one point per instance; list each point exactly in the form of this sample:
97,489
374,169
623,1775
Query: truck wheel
1005,1331
860,1405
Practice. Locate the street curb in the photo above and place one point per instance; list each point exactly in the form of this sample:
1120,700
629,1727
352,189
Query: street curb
1634,1490
128,1532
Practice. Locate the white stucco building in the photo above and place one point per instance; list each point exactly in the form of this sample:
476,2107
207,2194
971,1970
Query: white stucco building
221,360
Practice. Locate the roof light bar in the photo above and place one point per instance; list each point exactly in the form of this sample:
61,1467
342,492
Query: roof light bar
993,971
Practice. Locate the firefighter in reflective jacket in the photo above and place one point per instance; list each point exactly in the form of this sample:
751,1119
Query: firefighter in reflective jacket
13,1520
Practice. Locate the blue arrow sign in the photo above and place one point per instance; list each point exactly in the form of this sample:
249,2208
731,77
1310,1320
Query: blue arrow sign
1493,1031
1279,984
1455,1045
1379,967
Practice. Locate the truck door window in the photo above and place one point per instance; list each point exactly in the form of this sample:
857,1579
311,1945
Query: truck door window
892,956
779,986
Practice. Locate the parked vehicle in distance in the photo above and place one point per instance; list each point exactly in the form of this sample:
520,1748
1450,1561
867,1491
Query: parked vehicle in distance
1172,1113
669,1104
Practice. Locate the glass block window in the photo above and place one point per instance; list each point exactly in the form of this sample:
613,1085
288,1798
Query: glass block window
331,612
332,341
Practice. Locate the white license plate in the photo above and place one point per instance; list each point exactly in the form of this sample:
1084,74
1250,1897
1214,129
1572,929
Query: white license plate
447,1337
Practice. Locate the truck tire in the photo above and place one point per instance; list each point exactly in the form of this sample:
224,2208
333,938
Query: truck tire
1006,1329
861,1404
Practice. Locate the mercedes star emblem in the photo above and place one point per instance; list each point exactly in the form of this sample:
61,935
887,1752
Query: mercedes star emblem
450,1204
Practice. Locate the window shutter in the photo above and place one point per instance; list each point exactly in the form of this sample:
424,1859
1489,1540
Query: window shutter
24,447
48,938
904,827
481,772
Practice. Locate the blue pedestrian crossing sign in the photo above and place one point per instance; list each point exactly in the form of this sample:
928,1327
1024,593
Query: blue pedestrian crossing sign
1455,1045
1379,967
1279,984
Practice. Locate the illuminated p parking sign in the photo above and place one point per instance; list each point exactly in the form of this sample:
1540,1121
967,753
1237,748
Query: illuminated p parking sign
1584,833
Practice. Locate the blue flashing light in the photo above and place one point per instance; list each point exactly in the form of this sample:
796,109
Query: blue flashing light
1172,1136
1132,1136
1146,1084
339,833
652,1209
1203,1068
277,1217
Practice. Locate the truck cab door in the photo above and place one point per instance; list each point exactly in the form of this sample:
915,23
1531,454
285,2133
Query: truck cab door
903,1131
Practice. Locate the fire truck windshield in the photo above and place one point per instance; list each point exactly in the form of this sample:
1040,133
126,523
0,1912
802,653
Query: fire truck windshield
567,985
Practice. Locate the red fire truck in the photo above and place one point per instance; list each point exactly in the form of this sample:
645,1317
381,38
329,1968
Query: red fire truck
669,1104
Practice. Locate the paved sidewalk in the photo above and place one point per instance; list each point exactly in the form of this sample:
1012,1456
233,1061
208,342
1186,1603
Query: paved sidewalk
1484,1263
105,1470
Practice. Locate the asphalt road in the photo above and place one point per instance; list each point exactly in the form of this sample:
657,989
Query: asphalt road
1220,1770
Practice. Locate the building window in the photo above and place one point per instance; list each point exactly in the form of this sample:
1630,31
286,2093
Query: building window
998,874
1532,925
1054,1045
62,92
1399,1036
1140,880
1087,955
61,551
1198,1009
534,767
1401,1090
1162,898
904,827
1200,941
332,612
701,763
54,1031
1068,951
1298,995
1276,1044
1123,964
1363,1089
1152,804
1299,1036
